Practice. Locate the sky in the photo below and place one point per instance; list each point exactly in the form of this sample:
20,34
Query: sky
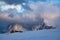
29,11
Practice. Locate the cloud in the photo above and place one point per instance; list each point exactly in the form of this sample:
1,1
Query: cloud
14,1
57,22
6,7
47,10
21,1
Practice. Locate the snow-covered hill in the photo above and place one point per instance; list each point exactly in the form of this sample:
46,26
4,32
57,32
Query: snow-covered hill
50,34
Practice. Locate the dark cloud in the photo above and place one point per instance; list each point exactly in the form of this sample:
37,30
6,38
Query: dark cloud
14,1
21,1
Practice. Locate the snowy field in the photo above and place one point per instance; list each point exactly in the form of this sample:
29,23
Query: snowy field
49,34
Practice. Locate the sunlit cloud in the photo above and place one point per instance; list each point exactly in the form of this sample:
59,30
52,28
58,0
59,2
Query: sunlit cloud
50,16
48,10
6,7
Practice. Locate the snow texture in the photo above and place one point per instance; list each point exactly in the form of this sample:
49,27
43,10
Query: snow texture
49,34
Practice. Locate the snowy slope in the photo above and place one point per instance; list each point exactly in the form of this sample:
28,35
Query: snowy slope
51,34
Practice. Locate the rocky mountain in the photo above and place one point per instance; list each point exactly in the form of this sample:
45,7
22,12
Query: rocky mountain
15,28
20,28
